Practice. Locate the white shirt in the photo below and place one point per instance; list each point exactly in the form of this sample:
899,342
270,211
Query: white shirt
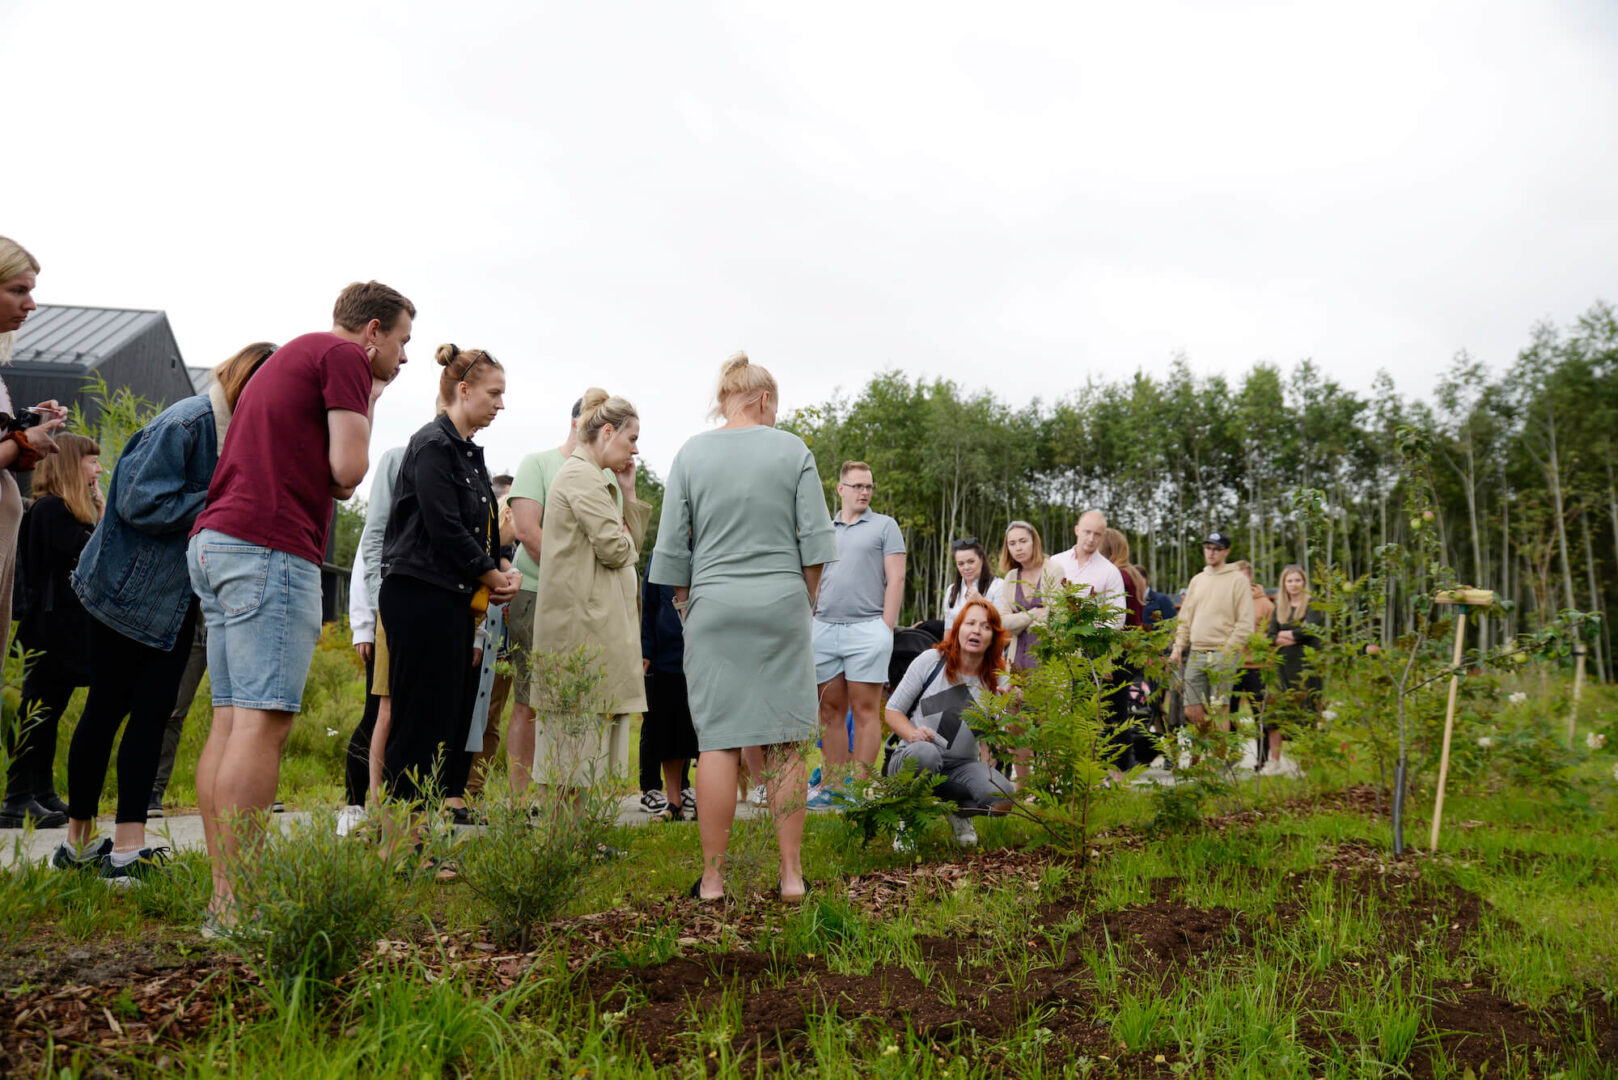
992,595
361,615
1103,578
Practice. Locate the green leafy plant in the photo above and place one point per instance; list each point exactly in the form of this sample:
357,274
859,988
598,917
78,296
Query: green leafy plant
1053,717
887,804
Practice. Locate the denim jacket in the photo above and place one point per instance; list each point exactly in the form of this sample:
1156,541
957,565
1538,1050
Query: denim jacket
132,574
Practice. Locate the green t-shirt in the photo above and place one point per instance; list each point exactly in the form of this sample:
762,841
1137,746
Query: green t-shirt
533,481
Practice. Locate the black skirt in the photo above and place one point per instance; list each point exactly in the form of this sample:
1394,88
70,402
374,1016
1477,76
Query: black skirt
667,734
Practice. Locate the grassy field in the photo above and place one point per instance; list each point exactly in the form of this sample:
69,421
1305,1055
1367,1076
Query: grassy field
1276,938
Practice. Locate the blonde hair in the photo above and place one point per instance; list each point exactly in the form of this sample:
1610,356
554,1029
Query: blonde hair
1283,606
62,474
741,382
14,261
232,374
598,409
1007,563
1115,547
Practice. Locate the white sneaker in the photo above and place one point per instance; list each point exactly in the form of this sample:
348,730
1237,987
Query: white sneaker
904,843
965,834
688,803
348,817
759,796
653,801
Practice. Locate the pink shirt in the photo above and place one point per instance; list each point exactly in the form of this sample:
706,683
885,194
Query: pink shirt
1103,578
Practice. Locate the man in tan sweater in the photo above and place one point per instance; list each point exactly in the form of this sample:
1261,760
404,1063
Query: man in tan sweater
1216,619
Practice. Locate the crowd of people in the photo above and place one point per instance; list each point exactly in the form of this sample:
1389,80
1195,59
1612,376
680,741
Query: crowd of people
763,620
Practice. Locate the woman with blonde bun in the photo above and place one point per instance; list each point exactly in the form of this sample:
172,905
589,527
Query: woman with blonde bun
743,537
440,571
589,595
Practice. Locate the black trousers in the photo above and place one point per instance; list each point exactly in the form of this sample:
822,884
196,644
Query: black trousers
430,634
131,680
357,768
46,690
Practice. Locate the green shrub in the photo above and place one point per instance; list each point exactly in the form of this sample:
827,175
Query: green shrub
312,904
527,867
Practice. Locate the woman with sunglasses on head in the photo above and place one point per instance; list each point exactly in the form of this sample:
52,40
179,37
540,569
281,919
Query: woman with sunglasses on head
974,578
133,579
440,571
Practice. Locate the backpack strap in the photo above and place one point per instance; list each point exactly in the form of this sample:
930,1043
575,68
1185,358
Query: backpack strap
925,684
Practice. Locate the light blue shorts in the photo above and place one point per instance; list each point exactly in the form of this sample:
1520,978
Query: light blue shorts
857,651
262,609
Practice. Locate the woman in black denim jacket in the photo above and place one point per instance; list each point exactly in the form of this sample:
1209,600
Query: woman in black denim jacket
440,571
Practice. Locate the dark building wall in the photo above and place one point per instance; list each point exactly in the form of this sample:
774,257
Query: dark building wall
149,365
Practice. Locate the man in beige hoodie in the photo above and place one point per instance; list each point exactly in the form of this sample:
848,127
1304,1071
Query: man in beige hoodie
1216,619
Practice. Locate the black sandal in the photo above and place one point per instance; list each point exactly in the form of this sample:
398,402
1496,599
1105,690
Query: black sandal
695,893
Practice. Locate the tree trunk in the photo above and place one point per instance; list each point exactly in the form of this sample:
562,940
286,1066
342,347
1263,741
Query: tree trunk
1595,597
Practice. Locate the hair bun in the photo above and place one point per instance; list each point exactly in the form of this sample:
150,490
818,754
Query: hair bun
446,355
738,359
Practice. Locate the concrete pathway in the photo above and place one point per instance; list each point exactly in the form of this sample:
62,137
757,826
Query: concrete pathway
183,832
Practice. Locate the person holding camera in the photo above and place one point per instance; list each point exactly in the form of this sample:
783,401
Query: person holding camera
26,437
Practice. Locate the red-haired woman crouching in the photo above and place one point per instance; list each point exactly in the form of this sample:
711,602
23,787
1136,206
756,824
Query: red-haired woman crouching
927,713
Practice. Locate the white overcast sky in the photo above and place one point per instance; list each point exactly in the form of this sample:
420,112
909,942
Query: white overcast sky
1008,195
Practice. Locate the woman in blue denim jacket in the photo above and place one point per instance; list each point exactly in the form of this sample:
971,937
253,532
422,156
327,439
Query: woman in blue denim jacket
132,579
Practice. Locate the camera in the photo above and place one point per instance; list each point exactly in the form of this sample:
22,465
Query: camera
25,419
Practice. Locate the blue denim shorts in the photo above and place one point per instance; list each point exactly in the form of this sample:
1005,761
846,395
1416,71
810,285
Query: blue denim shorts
857,651
262,609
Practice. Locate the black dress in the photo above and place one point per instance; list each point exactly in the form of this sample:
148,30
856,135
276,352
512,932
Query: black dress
1300,684
54,626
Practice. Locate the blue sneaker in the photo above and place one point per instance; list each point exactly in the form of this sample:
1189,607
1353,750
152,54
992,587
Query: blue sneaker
148,862
67,857
819,799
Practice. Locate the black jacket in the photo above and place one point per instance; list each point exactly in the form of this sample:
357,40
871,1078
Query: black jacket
662,634
442,526
53,620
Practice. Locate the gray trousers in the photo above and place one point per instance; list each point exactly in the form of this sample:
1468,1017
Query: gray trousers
195,665
971,784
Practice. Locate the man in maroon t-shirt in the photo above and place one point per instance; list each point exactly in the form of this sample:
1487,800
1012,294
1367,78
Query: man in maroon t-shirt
298,438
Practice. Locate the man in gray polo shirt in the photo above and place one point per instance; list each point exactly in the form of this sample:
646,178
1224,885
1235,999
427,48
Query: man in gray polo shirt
857,610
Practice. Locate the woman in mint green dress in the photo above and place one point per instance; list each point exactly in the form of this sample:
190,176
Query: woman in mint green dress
744,534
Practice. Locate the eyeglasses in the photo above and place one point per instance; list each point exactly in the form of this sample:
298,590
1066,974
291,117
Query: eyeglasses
860,487
963,543
482,355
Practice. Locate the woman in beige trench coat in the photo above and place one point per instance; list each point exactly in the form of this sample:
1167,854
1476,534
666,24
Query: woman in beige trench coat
588,595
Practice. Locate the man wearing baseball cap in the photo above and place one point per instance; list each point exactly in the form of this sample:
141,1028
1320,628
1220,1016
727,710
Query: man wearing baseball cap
1216,619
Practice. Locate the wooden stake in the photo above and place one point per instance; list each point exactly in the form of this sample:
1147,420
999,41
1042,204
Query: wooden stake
1449,725
1465,598
1578,685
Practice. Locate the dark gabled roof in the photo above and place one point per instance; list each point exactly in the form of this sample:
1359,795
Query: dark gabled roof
79,336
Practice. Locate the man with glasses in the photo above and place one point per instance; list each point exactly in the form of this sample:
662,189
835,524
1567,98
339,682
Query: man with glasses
1216,619
858,608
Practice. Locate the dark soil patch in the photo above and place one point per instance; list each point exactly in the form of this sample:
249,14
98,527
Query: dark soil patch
1163,936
